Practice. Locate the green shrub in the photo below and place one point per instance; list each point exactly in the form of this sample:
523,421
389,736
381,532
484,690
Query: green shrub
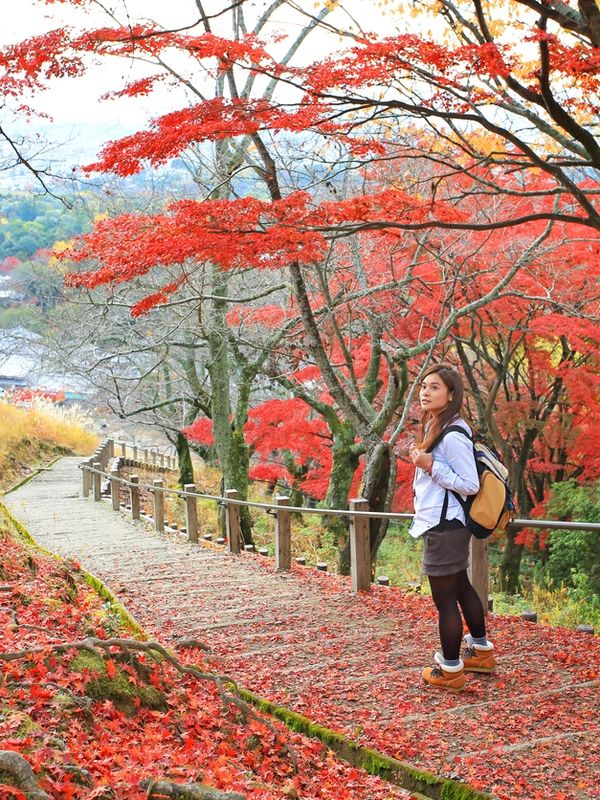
574,556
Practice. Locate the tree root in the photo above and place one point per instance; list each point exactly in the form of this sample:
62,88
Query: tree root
186,791
156,651
191,643
22,775
16,624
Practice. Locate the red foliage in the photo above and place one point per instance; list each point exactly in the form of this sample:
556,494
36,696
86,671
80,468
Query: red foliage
200,431
25,397
270,473
232,233
213,119
268,316
9,263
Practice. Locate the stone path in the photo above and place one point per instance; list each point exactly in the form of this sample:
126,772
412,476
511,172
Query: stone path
349,663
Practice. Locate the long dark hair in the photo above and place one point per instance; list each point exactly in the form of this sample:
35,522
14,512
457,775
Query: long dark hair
431,425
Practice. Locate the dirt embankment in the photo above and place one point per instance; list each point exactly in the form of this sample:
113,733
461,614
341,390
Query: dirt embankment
24,457
33,436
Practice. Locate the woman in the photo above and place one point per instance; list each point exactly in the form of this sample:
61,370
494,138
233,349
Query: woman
442,468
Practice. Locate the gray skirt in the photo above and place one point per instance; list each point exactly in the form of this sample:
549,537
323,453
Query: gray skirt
446,552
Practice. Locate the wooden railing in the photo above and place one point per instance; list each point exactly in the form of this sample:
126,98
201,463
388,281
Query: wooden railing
104,464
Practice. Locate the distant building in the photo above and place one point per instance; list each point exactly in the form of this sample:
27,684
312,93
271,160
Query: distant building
22,370
15,372
8,295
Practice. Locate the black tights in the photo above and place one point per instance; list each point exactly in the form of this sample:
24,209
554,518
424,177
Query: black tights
449,592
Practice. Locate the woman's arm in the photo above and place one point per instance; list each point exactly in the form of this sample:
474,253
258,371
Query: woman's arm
460,474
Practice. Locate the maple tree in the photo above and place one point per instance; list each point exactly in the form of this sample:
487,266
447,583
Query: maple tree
523,74
173,388
413,100
389,309
530,359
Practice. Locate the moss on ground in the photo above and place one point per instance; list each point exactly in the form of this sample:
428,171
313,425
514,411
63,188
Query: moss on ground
420,782
25,723
120,689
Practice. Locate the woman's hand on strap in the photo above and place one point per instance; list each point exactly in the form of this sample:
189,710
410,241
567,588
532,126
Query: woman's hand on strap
421,459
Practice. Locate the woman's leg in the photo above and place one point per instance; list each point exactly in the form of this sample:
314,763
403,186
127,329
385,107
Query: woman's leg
470,604
444,590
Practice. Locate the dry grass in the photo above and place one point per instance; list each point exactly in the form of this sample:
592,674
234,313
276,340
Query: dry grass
31,437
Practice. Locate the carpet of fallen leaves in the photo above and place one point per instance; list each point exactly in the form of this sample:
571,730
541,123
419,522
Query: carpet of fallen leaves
87,748
530,731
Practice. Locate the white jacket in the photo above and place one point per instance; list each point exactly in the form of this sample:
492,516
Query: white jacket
453,469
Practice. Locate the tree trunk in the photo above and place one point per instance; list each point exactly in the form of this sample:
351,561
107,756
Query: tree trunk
344,463
235,473
379,482
229,441
186,471
510,567
511,564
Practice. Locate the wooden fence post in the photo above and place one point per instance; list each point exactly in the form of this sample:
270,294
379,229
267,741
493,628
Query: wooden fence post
360,548
91,460
115,489
159,505
153,457
232,516
135,496
85,475
97,465
134,450
145,455
111,448
162,460
191,513
283,534
123,449
479,569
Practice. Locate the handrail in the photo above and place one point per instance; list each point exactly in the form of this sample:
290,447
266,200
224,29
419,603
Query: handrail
391,515
94,470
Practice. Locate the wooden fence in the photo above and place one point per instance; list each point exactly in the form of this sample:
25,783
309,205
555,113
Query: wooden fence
104,467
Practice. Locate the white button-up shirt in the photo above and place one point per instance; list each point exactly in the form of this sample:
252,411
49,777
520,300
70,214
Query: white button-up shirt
453,469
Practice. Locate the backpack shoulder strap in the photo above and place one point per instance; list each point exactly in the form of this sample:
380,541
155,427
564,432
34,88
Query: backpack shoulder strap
449,429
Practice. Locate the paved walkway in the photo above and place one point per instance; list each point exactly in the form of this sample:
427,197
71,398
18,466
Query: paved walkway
349,663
